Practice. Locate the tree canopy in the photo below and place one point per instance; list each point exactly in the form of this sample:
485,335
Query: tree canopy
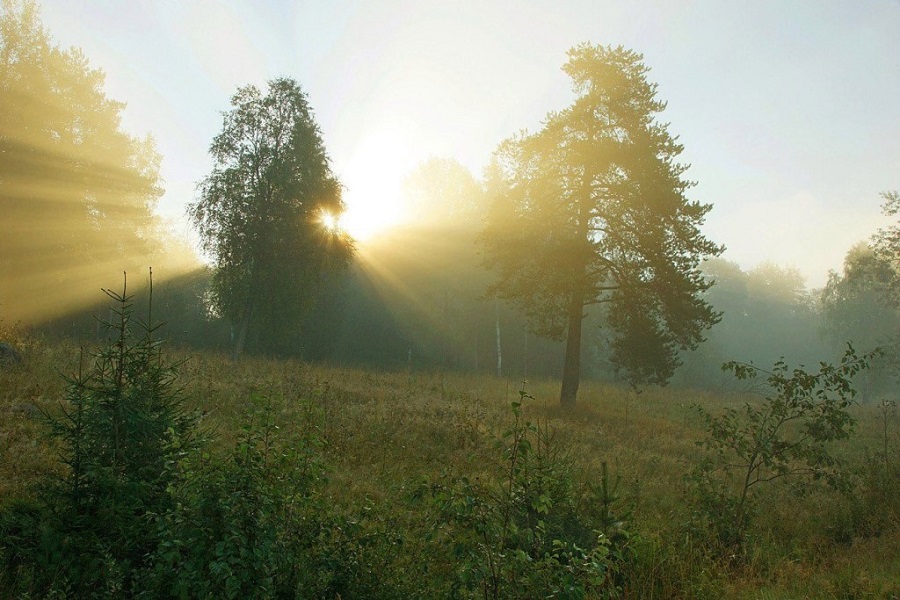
592,209
77,193
858,305
261,214
442,190
886,241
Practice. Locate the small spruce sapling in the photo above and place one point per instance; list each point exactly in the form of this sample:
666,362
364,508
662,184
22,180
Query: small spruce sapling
123,422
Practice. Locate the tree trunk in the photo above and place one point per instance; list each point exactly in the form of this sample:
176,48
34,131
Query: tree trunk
476,350
499,347
572,367
525,362
242,332
446,345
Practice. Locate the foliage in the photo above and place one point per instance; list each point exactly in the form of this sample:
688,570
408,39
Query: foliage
222,537
256,525
442,190
787,435
367,538
145,509
858,305
529,534
592,209
260,214
875,499
77,193
887,239
767,313
121,425
856,302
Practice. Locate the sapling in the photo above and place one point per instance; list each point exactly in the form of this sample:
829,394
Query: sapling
787,435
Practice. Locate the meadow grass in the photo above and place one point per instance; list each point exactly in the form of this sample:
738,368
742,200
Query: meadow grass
386,432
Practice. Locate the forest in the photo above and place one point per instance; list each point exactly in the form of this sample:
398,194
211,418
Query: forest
547,381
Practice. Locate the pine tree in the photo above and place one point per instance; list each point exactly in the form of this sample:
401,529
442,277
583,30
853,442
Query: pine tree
592,210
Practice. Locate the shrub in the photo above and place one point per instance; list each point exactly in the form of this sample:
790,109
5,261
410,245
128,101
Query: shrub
221,535
527,534
255,525
787,435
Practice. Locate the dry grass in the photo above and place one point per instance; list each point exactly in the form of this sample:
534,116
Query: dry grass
387,431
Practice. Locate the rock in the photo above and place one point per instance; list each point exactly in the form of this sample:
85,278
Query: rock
9,355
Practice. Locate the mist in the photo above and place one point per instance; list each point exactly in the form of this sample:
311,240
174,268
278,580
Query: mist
431,300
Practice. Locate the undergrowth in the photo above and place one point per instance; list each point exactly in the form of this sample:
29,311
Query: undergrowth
531,530
196,477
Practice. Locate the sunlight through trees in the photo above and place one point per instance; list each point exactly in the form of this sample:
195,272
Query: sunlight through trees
77,193
259,214
592,210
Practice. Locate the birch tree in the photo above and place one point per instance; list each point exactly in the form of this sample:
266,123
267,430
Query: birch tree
264,212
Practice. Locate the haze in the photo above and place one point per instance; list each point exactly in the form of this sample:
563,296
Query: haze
787,111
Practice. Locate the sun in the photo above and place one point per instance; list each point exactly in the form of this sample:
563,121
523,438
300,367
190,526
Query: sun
373,185
330,222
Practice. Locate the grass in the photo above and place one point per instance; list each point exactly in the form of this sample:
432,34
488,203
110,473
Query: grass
385,432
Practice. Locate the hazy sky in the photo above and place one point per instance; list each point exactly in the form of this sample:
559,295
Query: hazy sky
789,111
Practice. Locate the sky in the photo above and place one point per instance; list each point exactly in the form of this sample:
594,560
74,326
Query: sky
789,111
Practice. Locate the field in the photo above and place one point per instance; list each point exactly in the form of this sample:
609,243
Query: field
383,438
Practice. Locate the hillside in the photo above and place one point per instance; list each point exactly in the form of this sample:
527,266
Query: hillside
385,439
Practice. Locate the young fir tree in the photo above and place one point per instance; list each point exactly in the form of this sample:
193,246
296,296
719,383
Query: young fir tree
122,427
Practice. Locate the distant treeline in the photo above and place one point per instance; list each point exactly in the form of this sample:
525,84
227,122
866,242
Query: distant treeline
427,310
391,310
77,200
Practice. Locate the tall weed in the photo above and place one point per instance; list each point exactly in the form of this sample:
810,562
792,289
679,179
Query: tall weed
528,530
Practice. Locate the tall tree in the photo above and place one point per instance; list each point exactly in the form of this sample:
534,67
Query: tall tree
261,214
445,203
442,190
592,209
77,193
886,242
859,305
767,314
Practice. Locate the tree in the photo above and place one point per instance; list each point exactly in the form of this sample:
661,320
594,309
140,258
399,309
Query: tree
766,314
858,305
262,214
77,193
444,310
592,209
442,190
886,242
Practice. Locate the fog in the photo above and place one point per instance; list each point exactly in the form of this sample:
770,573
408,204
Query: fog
786,112
790,138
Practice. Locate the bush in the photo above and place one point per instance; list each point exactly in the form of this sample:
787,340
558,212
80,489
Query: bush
787,435
256,525
529,535
221,536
